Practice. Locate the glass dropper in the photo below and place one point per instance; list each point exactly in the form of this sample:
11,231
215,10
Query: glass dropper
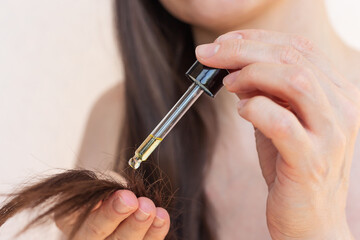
205,79
165,126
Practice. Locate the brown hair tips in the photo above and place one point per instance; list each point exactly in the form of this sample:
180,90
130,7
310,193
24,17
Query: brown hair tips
76,193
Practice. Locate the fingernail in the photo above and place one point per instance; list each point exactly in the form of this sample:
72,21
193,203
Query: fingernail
121,205
141,215
242,103
158,222
228,37
229,79
207,50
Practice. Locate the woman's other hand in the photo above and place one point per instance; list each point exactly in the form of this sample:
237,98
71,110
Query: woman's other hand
121,216
306,117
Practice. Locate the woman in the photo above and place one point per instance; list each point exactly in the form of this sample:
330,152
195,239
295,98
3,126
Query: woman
298,85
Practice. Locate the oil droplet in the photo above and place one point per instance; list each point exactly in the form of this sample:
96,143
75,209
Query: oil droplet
134,162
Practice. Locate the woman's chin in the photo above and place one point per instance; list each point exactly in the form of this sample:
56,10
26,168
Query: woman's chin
216,15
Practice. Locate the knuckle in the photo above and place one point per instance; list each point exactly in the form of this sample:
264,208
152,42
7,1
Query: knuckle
251,106
301,43
318,172
318,175
299,80
328,123
249,73
261,32
282,127
255,34
237,46
289,55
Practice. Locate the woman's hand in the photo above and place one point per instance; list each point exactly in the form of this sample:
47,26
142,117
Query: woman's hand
306,117
122,216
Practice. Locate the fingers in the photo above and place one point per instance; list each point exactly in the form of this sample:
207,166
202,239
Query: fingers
237,53
297,85
103,221
306,47
300,43
148,223
136,226
160,226
232,51
278,124
122,216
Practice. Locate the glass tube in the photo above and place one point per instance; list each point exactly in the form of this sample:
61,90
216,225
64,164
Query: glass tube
165,126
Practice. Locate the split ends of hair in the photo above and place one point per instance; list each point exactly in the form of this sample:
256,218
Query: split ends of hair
77,193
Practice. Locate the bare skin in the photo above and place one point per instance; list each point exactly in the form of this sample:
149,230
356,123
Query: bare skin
235,183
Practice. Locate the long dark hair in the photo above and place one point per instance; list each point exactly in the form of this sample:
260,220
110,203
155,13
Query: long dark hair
157,49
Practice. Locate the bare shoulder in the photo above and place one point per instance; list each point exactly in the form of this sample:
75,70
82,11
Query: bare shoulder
100,139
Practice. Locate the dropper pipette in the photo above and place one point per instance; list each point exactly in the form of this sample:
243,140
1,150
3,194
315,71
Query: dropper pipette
205,79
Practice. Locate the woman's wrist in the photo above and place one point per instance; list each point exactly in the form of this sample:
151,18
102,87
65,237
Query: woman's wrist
341,232
326,231
336,230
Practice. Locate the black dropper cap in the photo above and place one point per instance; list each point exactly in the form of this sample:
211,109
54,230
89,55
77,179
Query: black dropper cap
209,79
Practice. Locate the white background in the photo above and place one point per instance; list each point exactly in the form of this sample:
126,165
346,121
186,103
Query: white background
56,58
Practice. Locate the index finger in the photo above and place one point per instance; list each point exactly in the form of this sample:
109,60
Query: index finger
238,53
305,46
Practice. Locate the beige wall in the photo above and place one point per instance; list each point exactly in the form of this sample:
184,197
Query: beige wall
346,20
56,58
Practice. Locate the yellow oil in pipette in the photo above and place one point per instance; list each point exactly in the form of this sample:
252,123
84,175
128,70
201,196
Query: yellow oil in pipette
144,151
